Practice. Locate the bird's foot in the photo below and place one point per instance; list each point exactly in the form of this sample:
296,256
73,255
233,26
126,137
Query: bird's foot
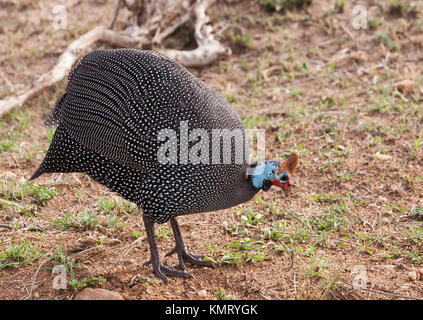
185,256
162,271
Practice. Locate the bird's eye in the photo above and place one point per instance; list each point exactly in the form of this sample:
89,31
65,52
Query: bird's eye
284,177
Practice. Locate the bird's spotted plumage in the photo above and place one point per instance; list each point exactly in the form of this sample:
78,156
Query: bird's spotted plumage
109,121
115,104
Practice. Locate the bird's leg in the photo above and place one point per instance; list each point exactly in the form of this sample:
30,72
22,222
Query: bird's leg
181,250
159,269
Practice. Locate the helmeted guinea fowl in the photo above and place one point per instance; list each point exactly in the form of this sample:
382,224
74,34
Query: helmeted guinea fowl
110,125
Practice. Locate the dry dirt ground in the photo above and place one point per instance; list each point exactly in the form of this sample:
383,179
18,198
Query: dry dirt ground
348,100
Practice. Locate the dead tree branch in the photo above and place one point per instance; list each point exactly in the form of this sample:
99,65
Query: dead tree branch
153,21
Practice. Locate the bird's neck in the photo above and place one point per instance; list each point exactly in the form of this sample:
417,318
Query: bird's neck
262,173
258,176
244,191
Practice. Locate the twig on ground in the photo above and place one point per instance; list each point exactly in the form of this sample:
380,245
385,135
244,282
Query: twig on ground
389,293
28,296
135,36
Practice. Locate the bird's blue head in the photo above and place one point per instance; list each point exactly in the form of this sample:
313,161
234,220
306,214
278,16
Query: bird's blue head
275,173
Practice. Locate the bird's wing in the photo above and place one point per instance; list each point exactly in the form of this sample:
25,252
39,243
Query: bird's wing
117,101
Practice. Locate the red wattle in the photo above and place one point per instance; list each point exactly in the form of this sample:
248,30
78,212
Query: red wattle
283,186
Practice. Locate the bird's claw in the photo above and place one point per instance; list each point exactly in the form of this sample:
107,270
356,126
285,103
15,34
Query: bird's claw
185,256
162,271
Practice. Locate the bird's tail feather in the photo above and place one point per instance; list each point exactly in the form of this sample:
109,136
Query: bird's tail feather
62,156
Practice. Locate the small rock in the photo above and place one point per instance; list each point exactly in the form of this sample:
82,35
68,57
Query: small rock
342,148
382,156
412,275
97,294
134,280
404,84
202,293
420,273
